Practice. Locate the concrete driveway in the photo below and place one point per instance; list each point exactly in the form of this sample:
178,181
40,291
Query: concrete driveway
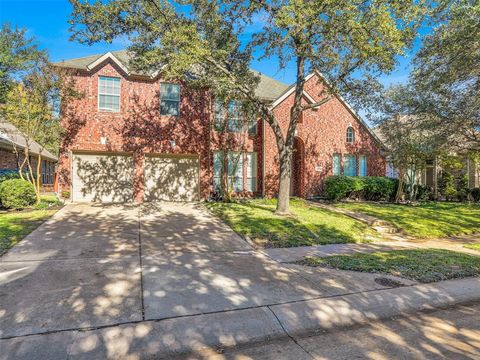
92,266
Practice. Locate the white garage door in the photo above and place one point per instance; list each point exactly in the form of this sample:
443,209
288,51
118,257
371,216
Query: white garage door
102,178
171,178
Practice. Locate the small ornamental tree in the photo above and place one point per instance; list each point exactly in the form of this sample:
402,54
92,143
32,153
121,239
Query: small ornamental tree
32,105
350,42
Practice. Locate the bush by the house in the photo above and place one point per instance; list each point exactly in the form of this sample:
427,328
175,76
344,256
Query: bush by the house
447,185
17,194
373,188
475,194
66,194
377,188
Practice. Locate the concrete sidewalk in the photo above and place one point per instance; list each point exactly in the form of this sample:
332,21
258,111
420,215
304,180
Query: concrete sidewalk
202,335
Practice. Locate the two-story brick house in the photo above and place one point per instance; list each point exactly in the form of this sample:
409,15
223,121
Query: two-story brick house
135,137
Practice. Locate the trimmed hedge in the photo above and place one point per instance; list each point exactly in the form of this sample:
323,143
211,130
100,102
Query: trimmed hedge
371,188
17,194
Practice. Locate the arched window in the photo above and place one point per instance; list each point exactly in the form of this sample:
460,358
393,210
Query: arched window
350,135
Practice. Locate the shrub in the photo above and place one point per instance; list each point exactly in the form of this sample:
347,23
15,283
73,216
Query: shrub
373,188
475,193
378,188
447,185
66,194
339,187
17,194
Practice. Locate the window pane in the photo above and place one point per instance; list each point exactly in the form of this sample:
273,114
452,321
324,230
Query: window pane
217,170
252,129
336,164
235,170
234,116
109,93
219,114
252,172
350,135
350,165
170,92
168,107
362,166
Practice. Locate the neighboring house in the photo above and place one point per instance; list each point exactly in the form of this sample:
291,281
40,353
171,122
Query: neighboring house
133,136
431,173
12,147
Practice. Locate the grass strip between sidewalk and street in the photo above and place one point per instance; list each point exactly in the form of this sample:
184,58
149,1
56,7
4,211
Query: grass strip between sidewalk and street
422,265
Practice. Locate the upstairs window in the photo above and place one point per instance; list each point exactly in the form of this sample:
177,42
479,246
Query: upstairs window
336,165
108,94
235,121
350,135
350,165
169,99
219,115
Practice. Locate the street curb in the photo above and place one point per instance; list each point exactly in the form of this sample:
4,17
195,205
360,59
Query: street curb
200,335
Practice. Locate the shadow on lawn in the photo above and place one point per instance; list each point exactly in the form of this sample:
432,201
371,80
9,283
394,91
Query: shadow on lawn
270,230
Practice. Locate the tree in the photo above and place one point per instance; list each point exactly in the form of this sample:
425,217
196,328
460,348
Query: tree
447,74
32,103
349,41
18,54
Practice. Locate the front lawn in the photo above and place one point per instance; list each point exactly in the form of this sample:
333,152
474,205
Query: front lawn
15,225
425,265
427,220
308,225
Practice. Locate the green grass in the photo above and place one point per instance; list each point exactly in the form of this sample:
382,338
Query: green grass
426,265
475,246
308,225
428,220
15,225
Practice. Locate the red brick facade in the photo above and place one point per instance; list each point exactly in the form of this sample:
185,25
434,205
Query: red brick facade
320,134
139,129
8,160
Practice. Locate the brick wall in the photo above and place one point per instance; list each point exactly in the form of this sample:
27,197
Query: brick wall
139,128
321,133
8,160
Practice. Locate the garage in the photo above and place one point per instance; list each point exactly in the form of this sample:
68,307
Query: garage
102,178
171,178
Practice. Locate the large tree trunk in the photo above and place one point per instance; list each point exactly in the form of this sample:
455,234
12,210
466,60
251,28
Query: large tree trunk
39,169
283,203
285,149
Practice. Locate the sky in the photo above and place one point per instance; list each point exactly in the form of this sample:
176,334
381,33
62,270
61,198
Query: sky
46,20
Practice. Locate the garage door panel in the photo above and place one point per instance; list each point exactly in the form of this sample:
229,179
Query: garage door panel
102,178
171,178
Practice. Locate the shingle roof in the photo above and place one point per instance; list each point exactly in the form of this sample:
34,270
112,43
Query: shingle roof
268,88
10,136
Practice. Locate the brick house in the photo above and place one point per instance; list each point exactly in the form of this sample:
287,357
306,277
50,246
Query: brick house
12,145
135,137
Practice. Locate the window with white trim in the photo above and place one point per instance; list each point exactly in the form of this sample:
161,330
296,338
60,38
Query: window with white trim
217,171
219,114
336,167
350,165
362,165
169,99
108,93
350,135
235,121
252,172
235,170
